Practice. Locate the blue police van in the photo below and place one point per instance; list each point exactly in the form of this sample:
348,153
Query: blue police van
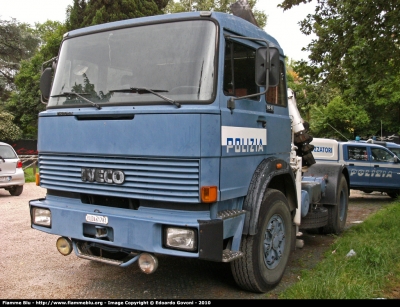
372,167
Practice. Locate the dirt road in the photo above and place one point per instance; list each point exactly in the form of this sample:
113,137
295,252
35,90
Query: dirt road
32,268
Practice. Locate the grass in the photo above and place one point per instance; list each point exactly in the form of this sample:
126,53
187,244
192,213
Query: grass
372,273
30,174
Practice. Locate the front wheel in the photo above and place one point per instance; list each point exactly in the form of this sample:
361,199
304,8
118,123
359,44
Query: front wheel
266,254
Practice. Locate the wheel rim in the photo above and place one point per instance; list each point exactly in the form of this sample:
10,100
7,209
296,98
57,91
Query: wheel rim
274,241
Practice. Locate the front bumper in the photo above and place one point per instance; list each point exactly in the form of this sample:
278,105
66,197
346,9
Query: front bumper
136,230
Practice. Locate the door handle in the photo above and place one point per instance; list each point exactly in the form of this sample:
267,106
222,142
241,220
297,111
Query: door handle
376,165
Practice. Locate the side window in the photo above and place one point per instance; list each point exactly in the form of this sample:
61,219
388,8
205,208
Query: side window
357,153
381,155
239,70
278,95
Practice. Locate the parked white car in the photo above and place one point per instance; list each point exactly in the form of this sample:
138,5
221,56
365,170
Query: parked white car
12,177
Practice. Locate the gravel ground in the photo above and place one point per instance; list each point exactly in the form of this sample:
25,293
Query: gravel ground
32,268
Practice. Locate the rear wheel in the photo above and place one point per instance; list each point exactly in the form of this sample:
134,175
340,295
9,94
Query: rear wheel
316,218
16,190
394,194
337,214
266,254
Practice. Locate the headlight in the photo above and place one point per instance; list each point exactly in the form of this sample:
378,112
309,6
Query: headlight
41,216
180,238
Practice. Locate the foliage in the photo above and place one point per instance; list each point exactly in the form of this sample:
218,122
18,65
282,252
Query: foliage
17,42
357,52
211,5
8,130
311,99
366,275
25,103
92,12
339,114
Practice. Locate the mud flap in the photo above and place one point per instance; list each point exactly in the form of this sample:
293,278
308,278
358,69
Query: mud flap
332,173
211,240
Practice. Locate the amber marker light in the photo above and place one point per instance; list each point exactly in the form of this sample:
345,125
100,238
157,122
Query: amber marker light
278,165
209,194
37,179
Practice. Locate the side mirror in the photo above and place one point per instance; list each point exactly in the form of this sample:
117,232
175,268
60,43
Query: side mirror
274,70
261,66
262,63
45,83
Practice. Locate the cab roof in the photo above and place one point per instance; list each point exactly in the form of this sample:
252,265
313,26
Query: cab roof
228,22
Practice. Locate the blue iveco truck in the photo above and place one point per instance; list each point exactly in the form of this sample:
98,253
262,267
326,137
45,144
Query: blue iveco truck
176,135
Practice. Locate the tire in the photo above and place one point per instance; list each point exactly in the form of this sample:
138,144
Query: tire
337,214
16,190
266,254
315,219
393,194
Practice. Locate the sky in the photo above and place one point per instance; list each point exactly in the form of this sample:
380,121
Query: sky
281,25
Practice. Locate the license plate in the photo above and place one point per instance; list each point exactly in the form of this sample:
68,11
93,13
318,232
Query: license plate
96,219
3,178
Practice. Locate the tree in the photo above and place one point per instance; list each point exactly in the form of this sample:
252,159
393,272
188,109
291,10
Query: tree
211,5
357,51
8,130
339,120
17,42
91,12
25,103
75,15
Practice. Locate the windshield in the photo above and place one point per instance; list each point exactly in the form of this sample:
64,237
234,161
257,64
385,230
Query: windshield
152,64
396,151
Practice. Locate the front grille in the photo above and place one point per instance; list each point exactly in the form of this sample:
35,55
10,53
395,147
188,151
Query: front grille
174,180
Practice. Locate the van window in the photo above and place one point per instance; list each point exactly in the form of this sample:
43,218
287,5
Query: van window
396,151
239,70
381,155
357,153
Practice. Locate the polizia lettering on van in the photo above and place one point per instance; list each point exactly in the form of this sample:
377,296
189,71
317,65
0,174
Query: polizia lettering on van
368,173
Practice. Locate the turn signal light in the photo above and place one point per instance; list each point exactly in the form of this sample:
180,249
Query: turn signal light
37,179
209,194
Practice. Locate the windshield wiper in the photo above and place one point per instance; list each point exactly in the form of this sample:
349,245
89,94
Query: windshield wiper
66,94
143,90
